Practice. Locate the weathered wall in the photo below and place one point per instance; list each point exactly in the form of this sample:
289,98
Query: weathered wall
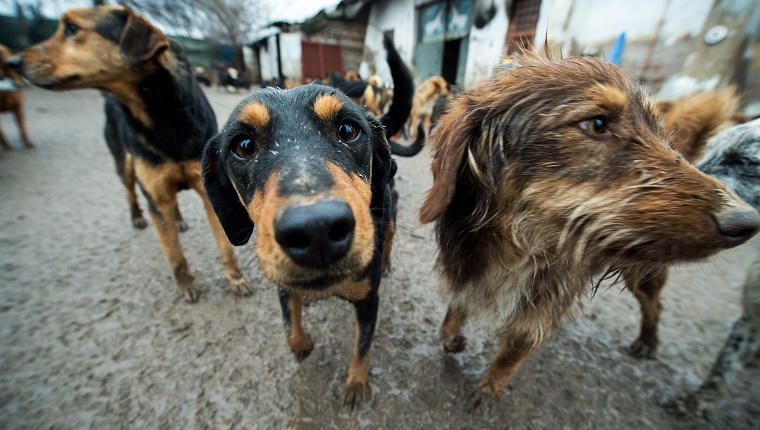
486,49
268,59
348,34
659,33
398,16
290,55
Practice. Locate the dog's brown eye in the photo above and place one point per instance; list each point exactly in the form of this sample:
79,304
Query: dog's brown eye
70,29
347,131
244,148
594,125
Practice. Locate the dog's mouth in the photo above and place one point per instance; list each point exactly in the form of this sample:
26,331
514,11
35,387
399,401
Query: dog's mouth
61,83
304,278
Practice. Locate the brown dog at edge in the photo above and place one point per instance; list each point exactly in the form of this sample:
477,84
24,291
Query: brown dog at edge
12,101
157,117
547,175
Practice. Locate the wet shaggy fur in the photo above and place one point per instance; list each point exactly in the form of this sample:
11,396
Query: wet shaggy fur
313,172
12,101
733,157
157,117
548,176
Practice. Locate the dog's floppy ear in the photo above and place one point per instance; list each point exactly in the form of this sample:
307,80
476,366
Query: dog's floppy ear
224,199
383,165
140,40
449,139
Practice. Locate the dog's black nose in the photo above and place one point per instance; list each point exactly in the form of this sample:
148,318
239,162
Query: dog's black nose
15,62
316,235
739,226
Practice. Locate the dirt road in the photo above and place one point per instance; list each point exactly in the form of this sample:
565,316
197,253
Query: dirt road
94,335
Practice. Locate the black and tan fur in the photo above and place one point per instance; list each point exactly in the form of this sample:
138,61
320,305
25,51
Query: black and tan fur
313,172
157,117
551,174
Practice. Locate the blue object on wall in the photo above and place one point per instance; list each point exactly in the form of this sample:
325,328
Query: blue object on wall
616,53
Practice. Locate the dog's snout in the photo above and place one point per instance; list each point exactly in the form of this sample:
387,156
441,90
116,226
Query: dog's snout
316,235
15,62
738,225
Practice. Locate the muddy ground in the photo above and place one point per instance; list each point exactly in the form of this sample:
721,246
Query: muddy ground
94,335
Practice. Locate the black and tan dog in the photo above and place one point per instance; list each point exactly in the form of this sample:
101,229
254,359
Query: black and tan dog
157,118
314,173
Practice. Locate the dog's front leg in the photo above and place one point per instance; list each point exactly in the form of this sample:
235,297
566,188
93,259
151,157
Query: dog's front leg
451,329
298,341
646,286
356,388
162,215
514,349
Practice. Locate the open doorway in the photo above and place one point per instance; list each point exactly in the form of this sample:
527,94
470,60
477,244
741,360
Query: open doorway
450,63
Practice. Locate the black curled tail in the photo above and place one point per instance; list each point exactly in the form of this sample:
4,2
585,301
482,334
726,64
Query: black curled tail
411,150
403,92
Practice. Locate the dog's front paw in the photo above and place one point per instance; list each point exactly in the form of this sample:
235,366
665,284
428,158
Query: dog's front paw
139,222
642,350
455,344
190,292
356,392
482,399
240,287
301,346
699,403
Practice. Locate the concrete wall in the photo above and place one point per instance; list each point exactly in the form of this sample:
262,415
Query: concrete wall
290,55
659,33
268,59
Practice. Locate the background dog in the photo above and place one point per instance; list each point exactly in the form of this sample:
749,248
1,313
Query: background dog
550,173
692,120
157,117
688,124
12,98
733,158
424,101
322,196
377,96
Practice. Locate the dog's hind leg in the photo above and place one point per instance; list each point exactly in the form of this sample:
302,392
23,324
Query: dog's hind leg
238,284
298,341
451,329
646,287
357,389
181,224
3,142
125,168
161,194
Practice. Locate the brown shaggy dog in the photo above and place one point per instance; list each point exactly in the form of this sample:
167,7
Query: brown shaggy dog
692,120
547,174
688,122
12,101
423,103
